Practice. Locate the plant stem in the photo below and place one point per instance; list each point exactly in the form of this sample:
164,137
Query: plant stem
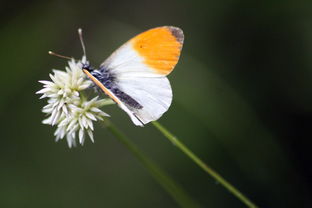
174,190
205,167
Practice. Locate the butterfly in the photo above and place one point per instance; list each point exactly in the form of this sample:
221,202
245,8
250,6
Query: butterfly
134,76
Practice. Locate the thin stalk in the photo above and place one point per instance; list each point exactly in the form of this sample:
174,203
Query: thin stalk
205,167
173,189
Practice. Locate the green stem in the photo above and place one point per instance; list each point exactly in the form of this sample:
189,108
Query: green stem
176,191
205,167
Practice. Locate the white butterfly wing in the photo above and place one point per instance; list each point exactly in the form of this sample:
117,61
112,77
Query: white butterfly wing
139,68
153,93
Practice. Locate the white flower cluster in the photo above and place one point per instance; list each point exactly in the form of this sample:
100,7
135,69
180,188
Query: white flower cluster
67,107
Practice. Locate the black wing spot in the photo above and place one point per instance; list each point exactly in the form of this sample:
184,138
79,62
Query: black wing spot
124,97
177,33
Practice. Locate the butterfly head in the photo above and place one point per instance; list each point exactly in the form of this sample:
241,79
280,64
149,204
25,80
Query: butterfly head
86,66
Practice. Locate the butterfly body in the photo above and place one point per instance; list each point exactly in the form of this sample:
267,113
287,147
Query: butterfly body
101,74
107,79
134,76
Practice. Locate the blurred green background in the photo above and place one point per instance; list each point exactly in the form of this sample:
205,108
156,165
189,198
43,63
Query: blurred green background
242,102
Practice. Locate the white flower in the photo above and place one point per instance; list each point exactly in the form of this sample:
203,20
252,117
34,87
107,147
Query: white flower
67,108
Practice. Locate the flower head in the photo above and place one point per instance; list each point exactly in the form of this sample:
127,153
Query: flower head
67,108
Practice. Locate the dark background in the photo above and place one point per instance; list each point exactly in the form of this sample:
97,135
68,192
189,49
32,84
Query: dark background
242,102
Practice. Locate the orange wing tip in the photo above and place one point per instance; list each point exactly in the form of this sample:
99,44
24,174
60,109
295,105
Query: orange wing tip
160,47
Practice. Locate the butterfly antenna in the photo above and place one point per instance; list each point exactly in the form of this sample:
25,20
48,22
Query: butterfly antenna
82,42
58,55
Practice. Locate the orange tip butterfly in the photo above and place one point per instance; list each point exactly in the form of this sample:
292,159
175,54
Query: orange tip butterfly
134,76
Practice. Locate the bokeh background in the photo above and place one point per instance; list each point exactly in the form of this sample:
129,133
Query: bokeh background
242,102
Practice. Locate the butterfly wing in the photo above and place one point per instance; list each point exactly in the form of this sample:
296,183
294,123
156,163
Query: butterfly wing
139,68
